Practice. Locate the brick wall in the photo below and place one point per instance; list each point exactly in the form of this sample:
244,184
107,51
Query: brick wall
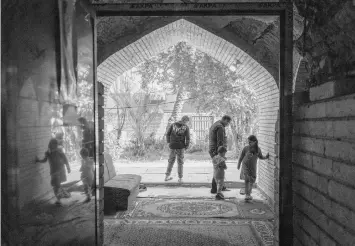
30,51
29,83
324,136
28,62
33,134
324,172
268,112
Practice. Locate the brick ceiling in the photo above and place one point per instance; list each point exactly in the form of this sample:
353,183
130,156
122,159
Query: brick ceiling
254,36
328,31
181,30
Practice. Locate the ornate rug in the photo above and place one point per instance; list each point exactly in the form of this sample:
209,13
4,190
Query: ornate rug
185,208
198,208
177,232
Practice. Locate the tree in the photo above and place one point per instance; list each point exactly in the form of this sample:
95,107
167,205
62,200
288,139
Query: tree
119,113
174,70
219,90
211,86
85,91
139,111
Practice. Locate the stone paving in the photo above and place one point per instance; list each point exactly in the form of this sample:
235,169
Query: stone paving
195,171
161,191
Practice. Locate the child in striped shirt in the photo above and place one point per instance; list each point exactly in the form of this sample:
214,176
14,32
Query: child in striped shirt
219,165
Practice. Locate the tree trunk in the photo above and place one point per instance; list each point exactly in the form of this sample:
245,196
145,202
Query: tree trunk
141,146
119,130
179,103
236,135
121,119
240,130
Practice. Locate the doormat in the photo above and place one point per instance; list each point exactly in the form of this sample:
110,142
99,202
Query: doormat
198,208
177,232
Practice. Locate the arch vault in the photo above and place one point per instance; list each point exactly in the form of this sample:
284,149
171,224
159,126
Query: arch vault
225,50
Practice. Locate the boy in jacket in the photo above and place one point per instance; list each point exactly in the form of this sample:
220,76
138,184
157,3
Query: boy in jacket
178,138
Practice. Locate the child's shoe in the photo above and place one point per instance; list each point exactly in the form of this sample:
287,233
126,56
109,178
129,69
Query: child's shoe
242,191
167,178
88,199
66,194
63,193
248,198
58,203
142,188
219,196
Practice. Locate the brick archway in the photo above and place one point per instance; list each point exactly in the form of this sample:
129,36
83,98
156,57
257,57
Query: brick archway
224,51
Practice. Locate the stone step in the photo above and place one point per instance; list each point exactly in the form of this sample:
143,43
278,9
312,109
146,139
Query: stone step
236,185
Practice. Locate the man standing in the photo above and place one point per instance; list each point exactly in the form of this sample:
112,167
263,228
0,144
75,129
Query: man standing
217,138
178,138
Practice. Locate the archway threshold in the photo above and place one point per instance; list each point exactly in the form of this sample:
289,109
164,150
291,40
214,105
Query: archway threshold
195,173
207,185
203,192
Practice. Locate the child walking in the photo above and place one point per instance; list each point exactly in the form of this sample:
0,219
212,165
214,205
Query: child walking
87,172
248,159
219,165
57,160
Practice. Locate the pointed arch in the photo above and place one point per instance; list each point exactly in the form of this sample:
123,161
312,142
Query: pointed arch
263,82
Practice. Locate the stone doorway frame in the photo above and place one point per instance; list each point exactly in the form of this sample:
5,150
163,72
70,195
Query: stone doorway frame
283,138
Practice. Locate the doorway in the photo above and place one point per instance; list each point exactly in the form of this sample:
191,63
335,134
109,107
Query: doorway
282,153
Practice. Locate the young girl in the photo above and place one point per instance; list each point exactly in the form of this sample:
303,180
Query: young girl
57,160
87,172
249,158
219,165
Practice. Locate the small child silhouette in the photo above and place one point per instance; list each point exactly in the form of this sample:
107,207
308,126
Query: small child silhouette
87,172
57,160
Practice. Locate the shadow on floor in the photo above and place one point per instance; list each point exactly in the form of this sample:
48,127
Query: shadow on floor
73,223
